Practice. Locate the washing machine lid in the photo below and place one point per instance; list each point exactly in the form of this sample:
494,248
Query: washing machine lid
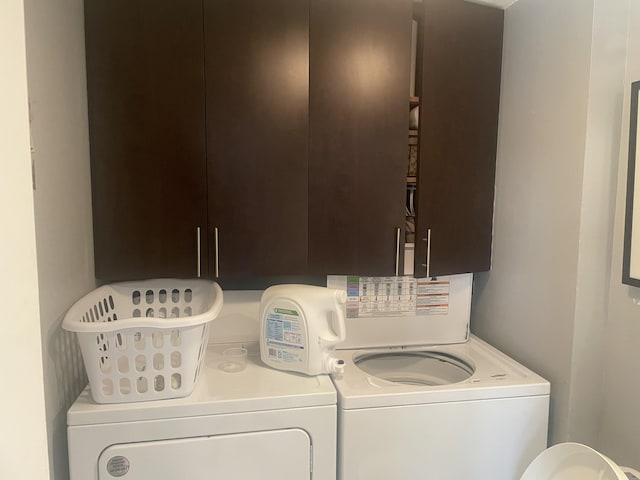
401,311
572,461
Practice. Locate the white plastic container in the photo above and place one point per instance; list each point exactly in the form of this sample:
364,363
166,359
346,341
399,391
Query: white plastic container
144,340
300,326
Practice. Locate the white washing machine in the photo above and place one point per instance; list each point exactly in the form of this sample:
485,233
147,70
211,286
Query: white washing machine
415,408
256,423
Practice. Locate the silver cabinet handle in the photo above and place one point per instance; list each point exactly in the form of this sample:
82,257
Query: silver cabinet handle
199,252
428,264
217,249
398,251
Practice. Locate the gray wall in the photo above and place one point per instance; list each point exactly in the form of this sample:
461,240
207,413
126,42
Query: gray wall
545,300
620,437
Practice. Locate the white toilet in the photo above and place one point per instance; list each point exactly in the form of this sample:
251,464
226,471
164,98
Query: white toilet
574,461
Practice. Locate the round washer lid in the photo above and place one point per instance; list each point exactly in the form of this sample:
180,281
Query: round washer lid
572,461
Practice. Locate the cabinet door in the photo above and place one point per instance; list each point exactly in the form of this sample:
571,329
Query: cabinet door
460,90
257,81
359,88
146,119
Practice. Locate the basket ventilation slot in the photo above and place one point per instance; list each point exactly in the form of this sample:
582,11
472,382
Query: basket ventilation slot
99,311
152,298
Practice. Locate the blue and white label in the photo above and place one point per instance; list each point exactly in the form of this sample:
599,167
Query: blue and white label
284,336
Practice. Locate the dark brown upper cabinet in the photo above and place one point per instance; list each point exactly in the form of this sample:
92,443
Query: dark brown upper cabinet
250,138
257,91
359,86
459,98
145,80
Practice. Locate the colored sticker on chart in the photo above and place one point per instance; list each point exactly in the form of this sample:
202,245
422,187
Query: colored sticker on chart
380,296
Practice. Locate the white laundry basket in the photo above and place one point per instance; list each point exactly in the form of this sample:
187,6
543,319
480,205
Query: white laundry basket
144,340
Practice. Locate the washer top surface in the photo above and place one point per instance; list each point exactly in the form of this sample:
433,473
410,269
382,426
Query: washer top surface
255,388
396,376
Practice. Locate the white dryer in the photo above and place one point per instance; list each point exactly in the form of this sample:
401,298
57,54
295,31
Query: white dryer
257,423
435,402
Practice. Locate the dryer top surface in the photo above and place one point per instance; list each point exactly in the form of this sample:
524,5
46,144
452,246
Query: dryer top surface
256,388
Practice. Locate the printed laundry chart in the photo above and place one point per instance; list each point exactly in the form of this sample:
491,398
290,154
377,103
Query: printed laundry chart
395,296
432,297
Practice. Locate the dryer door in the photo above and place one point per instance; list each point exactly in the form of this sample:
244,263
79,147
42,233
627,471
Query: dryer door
270,455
